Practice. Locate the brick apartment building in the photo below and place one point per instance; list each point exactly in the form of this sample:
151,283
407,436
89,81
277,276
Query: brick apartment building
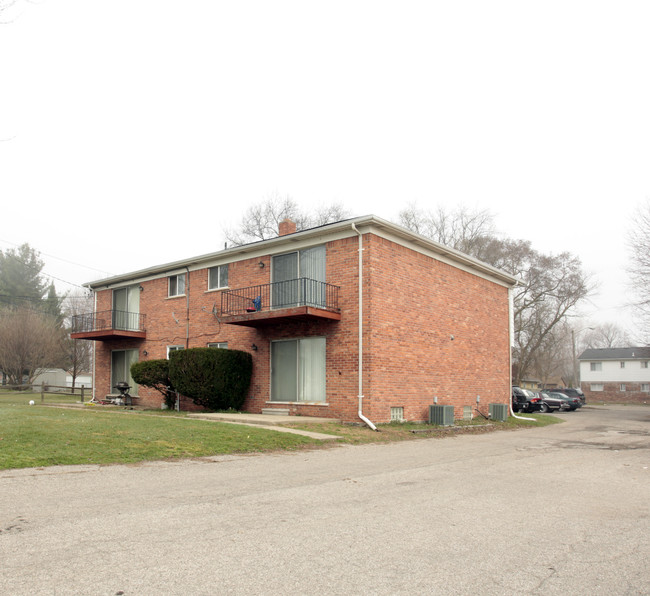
359,319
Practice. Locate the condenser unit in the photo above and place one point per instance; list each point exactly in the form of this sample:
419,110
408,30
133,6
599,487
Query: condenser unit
499,412
441,415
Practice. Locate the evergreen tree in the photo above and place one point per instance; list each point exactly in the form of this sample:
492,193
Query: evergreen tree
20,277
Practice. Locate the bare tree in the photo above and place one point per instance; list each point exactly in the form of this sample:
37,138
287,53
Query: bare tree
77,352
29,342
464,229
607,335
639,268
261,221
553,360
551,285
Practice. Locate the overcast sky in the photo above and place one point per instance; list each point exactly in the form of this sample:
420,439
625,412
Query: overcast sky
132,133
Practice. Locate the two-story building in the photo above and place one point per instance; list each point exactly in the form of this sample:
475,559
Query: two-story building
616,374
359,319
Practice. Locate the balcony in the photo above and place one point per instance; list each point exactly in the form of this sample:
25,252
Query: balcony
107,325
268,304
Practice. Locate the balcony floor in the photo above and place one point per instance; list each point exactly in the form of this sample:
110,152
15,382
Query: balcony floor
266,318
108,334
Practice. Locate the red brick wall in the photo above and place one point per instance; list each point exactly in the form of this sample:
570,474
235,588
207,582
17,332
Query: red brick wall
416,305
612,394
413,304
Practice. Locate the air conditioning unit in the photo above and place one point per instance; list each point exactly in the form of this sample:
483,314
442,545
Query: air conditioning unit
499,412
441,415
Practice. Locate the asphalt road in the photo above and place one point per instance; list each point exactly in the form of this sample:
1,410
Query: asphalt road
558,510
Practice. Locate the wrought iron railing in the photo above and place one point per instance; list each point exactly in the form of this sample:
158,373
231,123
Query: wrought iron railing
281,294
119,320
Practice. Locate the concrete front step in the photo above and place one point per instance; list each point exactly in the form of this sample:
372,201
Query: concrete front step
275,411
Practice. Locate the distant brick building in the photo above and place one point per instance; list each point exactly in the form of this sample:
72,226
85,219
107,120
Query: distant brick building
616,374
356,316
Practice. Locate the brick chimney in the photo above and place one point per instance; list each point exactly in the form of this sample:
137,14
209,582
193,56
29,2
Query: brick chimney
286,227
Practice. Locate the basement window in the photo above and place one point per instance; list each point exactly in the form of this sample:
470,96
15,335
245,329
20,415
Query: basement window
397,414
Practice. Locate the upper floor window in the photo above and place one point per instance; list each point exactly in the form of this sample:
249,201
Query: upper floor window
218,277
595,366
622,364
177,285
644,364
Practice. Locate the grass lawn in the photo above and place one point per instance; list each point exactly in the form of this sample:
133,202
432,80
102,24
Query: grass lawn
35,436
43,435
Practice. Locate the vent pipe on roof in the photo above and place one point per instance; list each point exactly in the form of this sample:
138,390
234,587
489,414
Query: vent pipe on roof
360,413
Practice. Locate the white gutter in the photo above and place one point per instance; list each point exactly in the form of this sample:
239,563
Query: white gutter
360,413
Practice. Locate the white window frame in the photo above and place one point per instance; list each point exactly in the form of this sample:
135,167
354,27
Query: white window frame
622,364
644,364
597,387
645,387
174,349
595,366
174,287
220,272
223,345
622,387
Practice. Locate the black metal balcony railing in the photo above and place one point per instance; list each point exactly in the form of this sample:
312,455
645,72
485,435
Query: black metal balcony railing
108,320
281,294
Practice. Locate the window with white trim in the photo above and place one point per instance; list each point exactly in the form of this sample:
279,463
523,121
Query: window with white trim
171,349
622,387
177,285
644,364
595,366
218,344
218,277
645,387
622,364
597,387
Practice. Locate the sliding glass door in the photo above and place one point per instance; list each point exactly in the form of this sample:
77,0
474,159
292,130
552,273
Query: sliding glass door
298,370
121,361
299,278
126,308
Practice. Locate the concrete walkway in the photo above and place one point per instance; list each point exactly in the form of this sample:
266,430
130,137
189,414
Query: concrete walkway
274,421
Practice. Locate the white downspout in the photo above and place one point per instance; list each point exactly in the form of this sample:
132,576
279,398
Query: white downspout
360,413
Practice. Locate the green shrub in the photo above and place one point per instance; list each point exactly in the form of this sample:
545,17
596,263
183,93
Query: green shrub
155,374
211,377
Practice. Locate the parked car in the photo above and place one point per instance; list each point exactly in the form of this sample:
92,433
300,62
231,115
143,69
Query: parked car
572,403
571,392
553,401
525,401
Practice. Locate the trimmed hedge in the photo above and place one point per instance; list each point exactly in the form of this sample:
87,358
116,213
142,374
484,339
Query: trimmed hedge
155,374
215,378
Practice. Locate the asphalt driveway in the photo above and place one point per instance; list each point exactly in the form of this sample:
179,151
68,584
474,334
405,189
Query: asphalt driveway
556,510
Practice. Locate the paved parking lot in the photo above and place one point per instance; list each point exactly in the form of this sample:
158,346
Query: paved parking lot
557,510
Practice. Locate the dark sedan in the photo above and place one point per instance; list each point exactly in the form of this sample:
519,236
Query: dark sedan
572,403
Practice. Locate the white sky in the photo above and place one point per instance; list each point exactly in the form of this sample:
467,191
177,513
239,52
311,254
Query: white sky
132,133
